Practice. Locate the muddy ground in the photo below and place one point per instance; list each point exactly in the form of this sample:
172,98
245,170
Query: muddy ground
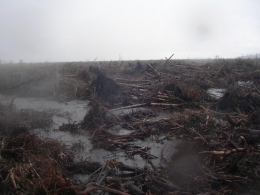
130,127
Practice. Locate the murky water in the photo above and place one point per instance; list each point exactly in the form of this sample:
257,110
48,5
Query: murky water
162,150
64,112
216,93
75,111
245,83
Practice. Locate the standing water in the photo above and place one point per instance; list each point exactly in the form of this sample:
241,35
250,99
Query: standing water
216,93
74,112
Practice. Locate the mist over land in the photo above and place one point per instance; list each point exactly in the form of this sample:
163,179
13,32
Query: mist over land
58,30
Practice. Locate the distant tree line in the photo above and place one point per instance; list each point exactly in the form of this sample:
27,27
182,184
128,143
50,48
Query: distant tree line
250,56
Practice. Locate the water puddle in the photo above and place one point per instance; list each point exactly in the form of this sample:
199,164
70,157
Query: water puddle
118,130
162,150
245,83
216,93
80,144
64,112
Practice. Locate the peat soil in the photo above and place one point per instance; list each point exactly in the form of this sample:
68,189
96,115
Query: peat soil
130,127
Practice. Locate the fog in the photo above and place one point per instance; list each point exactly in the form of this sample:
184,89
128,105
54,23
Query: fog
84,30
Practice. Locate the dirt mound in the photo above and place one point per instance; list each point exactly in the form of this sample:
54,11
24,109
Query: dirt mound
183,92
96,114
104,86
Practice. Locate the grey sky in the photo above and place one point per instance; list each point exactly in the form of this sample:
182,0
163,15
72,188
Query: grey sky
79,30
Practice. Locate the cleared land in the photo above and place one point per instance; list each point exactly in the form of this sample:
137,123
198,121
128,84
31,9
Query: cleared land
212,107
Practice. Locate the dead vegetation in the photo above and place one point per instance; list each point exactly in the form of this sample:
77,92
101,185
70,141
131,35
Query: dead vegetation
219,150
28,164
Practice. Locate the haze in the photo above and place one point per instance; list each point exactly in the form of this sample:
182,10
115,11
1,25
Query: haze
84,30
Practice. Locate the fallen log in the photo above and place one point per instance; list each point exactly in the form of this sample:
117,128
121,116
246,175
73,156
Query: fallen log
128,107
254,131
124,167
164,104
133,189
166,186
224,152
154,70
104,172
143,154
249,131
130,85
94,186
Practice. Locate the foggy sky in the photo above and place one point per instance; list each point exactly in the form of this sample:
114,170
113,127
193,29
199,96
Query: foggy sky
80,30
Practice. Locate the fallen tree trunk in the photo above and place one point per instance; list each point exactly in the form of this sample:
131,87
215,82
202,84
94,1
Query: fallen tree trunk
94,186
